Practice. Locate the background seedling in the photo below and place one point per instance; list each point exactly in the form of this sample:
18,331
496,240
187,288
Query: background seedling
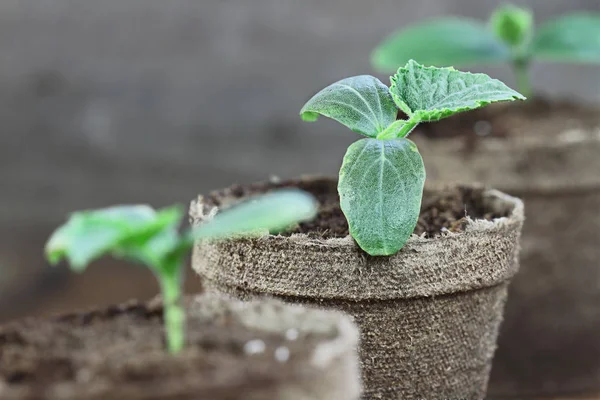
381,179
509,37
143,235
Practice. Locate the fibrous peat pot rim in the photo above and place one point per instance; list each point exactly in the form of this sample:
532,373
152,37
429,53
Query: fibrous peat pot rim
451,264
532,162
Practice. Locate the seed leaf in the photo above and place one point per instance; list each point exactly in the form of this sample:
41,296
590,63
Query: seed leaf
362,103
430,93
380,187
571,38
444,42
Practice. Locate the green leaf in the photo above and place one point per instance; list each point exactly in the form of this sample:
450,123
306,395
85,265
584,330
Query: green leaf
571,38
362,103
381,186
122,230
430,93
512,24
270,212
444,42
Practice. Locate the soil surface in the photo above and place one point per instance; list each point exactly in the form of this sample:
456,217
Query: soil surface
120,351
440,210
536,116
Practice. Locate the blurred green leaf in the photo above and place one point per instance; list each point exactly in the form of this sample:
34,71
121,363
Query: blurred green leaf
441,42
273,211
125,230
512,24
140,234
571,38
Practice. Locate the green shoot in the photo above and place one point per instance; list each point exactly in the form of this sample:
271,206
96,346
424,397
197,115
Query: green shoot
140,234
382,176
509,37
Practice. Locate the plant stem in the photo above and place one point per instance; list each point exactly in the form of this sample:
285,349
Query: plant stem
398,129
174,312
408,128
521,69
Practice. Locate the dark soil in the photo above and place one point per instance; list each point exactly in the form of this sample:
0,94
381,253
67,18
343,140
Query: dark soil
502,120
440,210
119,353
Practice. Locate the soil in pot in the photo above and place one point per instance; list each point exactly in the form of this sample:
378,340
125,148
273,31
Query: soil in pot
428,315
262,350
548,154
441,211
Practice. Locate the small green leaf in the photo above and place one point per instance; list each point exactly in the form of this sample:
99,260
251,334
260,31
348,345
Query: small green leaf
381,186
362,103
512,24
571,38
123,230
270,212
432,93
444,42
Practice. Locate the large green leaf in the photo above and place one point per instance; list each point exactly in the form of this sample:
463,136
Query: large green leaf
430,93
571,38
443,42
380,187
362,103
512,24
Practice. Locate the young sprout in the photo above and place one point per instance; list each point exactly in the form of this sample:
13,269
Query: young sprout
140,234
381,179
509,37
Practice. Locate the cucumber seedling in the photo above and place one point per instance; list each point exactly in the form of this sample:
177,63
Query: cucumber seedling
140,234
382,176
509,37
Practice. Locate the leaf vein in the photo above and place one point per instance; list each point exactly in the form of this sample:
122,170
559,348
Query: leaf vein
360,96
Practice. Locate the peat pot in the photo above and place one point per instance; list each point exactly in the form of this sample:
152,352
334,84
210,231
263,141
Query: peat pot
428,316
549,156
258,351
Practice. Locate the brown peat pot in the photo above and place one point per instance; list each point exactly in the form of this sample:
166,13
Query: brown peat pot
547,154
428,316
263,350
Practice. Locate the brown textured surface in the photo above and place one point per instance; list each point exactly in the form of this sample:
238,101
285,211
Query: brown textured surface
423,348
428,316
550,342
118,353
